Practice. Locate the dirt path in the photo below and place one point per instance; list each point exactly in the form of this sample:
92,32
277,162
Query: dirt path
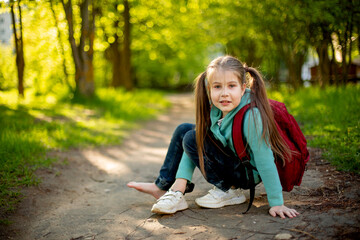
87,197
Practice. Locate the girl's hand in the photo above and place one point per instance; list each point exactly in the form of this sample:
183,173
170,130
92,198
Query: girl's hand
282,211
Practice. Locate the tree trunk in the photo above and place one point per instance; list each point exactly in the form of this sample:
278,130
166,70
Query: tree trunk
294,65
62,51
358,39
275,82
126,53
334,67
116,59
350,44
86,49
324,63
343,55
120,54
294,58
82,53
19,47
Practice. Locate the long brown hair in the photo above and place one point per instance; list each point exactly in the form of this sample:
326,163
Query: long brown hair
258,98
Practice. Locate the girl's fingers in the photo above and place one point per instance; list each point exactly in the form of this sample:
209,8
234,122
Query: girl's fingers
283,212
294,212
272,212
290,214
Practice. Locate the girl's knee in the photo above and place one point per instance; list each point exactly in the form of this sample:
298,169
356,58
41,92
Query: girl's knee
189,141
182,129
190,147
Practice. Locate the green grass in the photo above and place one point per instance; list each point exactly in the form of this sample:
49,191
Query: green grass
31,127
330,119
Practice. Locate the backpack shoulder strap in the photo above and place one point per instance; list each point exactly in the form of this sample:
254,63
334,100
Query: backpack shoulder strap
239,145
237,129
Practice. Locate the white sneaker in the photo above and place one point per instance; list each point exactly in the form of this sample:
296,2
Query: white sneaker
170,202
216,198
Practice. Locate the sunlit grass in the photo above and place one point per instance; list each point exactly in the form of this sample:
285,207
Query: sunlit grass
330,118
32,126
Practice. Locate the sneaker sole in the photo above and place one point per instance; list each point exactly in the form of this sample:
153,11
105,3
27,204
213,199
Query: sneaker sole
158,210
233,201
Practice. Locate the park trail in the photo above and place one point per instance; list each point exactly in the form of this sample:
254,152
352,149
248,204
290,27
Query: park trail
84,196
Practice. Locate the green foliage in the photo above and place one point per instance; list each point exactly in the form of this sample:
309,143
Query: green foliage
41,123
173,41
43,61
8,70
330,119
170,43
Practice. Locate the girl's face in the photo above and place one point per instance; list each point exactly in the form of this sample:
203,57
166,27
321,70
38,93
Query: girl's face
226,91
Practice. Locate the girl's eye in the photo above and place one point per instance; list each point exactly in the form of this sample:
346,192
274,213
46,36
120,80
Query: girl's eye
216,86
232,85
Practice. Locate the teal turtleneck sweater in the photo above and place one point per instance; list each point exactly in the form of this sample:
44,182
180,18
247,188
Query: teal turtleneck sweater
261,155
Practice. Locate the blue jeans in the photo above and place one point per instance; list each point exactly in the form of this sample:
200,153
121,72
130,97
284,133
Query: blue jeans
220,164
172,160
222,167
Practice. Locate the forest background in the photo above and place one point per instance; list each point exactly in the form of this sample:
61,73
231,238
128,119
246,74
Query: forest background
80,73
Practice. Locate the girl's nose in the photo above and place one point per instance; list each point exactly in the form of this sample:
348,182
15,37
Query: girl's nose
224,92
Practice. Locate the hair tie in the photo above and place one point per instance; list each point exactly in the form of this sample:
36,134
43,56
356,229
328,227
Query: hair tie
246,69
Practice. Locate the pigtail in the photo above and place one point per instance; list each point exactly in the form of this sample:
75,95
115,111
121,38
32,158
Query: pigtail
202,103
259,99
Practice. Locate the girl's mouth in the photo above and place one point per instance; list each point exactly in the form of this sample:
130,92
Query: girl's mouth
224,102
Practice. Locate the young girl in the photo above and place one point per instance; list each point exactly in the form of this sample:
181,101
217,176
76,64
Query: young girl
220,92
